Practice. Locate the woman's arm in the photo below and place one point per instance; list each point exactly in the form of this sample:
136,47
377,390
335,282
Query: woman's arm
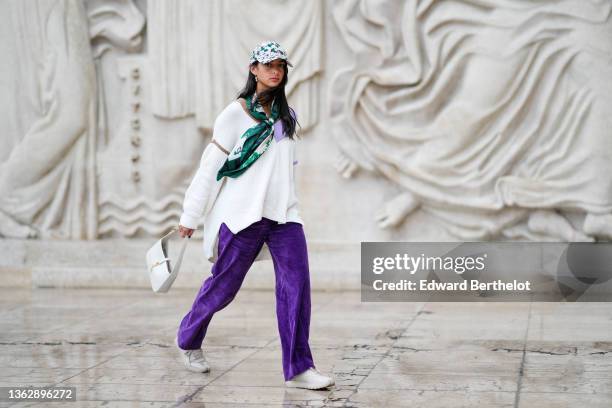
199,191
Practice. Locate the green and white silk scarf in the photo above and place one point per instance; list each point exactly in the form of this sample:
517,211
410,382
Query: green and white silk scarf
253,143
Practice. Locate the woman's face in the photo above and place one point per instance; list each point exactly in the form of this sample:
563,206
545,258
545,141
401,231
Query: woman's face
270,74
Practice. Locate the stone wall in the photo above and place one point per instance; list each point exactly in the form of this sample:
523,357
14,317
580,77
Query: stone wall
421,120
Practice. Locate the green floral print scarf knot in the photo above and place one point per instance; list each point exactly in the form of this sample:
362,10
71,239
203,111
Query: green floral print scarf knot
253,143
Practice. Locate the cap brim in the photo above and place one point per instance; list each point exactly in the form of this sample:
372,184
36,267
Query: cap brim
286,61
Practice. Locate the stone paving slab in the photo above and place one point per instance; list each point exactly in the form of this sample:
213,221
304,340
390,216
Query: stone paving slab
116,347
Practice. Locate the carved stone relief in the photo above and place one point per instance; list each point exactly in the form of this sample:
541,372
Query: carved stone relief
492,115
47,164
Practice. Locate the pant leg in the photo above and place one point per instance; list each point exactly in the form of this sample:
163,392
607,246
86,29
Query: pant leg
236,253
287,245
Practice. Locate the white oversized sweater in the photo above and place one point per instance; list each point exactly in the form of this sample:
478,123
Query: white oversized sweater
266,189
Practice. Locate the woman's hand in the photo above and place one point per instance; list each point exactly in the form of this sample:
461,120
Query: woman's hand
185,232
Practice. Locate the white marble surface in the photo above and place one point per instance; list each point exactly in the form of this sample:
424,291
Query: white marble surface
108,344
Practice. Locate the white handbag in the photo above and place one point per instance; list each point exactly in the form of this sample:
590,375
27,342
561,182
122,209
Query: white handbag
161,272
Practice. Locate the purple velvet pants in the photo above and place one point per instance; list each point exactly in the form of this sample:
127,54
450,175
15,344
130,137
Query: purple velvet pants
236,253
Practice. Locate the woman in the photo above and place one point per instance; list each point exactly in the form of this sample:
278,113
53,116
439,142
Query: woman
245,186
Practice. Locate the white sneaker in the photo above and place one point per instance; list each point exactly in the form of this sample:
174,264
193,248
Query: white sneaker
194,359
310,379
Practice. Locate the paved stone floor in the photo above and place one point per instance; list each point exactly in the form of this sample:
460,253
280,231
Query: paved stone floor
116,347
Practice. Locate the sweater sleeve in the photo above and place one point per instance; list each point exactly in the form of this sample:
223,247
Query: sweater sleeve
205,179
198,192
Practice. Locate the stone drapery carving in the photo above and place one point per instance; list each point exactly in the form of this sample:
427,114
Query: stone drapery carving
47,164
492,115
199,53
114,24
57,123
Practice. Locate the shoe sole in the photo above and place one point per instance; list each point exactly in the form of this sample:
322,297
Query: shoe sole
197,370
291,384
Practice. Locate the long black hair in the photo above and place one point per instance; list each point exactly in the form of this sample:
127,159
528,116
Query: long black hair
276,94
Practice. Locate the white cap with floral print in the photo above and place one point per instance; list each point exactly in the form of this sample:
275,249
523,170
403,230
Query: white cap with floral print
268,51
